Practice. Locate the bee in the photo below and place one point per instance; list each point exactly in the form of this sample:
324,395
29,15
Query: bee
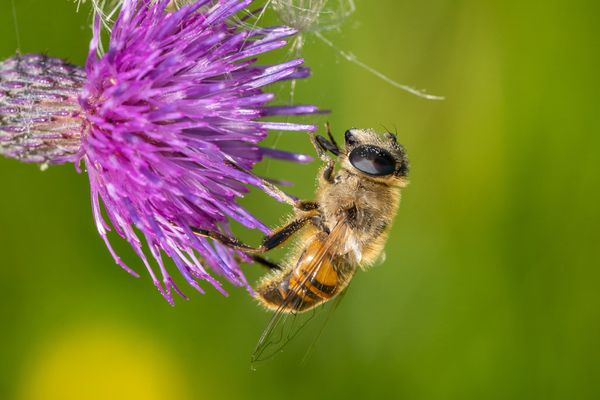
344,228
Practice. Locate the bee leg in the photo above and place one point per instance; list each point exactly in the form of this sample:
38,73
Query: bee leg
317,221
277,193
333,142
228,241
280,235
260,260
327,172
263,261
326,145
323,145
274,239
305,205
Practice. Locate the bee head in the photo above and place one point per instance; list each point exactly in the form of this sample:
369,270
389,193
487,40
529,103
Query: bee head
379,157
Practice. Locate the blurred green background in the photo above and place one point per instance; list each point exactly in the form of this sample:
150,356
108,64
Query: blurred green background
491,285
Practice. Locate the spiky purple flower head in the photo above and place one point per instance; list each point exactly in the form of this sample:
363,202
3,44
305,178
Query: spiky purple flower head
170,117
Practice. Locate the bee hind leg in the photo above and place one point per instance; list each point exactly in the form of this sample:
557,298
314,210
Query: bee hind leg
266,263
271,241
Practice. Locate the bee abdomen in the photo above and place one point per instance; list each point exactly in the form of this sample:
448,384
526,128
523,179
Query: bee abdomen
295,293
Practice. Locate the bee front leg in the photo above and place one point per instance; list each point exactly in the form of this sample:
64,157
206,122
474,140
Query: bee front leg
322,145
335,145
327,171
277,193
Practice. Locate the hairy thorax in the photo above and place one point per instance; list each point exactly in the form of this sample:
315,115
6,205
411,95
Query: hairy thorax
367,206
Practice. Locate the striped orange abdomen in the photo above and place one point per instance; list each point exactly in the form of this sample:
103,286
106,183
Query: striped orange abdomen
310,283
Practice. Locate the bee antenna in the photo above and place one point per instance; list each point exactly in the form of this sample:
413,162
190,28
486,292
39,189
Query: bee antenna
391,136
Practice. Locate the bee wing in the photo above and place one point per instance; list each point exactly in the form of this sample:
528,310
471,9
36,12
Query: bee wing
284,326
332,307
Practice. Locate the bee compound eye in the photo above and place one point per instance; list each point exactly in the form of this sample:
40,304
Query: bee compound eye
372,160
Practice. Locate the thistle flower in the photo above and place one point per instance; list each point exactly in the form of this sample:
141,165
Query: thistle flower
167,126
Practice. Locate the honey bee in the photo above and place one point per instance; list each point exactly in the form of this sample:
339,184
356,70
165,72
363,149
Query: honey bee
343,229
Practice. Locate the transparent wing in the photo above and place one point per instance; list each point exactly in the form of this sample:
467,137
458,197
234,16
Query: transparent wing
284,326
332,307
